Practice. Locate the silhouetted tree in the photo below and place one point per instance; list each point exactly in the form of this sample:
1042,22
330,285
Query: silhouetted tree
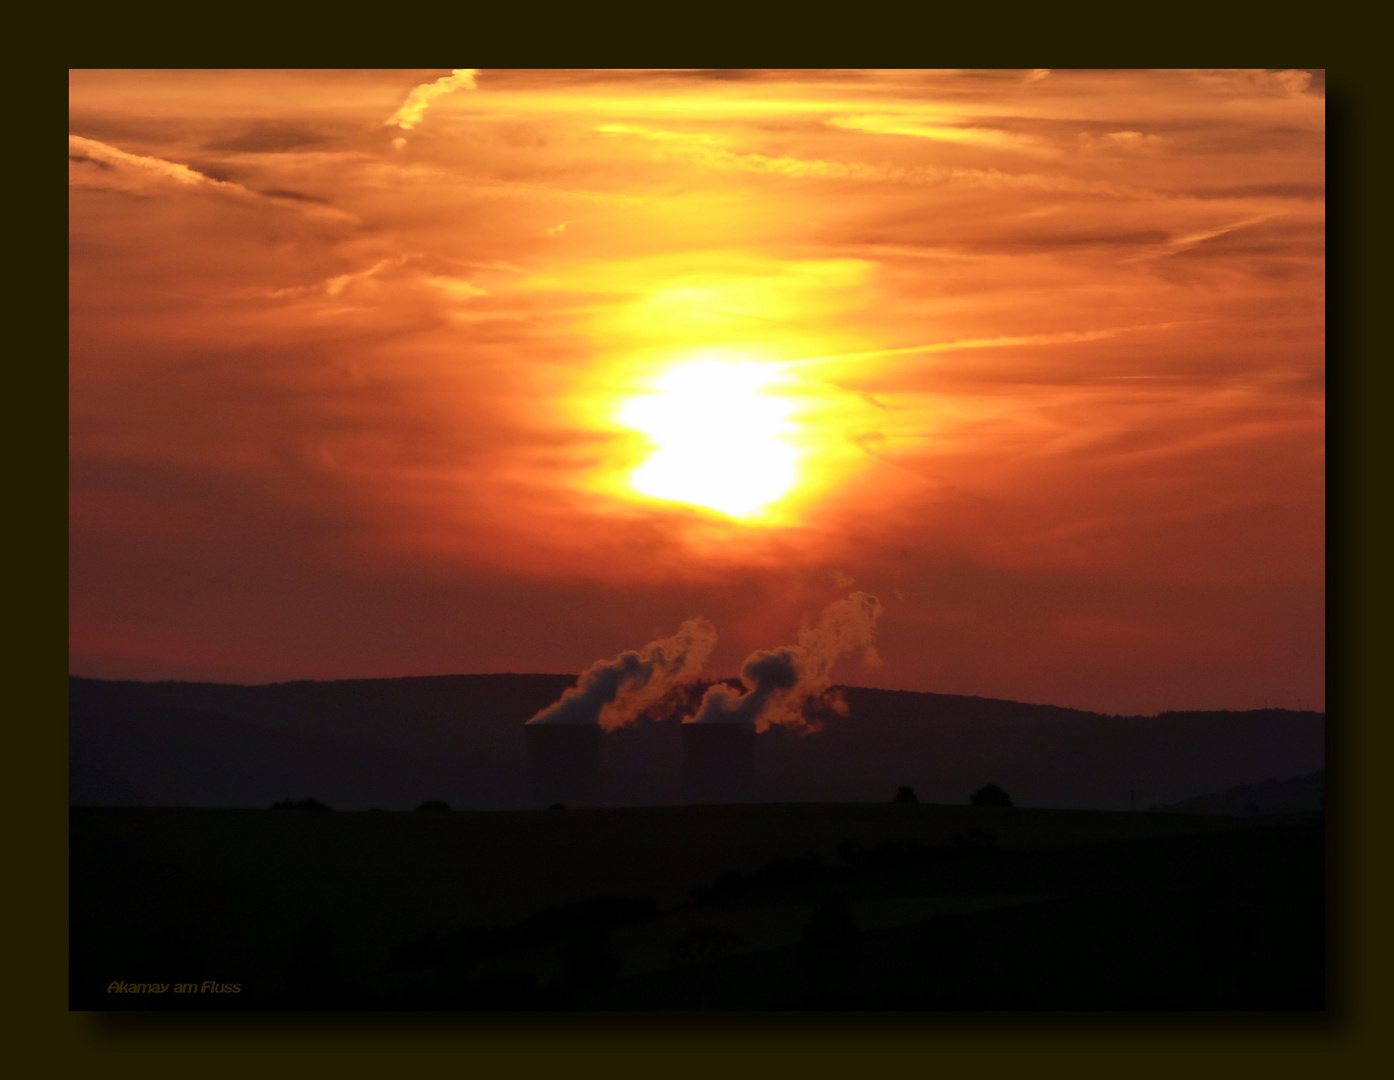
434,804
990,795
905,795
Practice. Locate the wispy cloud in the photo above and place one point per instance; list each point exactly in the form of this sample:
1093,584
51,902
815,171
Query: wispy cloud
941,132
335,285
421,97
706,150
118,168
81,149
1064,337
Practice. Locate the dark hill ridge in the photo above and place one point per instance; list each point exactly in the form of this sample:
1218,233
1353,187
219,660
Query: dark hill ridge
391,743
1300,795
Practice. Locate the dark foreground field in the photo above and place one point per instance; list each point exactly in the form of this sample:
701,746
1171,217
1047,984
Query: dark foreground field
827,906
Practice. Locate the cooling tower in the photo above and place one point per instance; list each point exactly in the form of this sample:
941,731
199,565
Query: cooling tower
718,762
563,764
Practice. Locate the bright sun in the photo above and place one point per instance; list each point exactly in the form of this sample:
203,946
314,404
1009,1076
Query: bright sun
717,440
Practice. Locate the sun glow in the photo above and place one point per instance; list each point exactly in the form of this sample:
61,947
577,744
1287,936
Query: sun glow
718,435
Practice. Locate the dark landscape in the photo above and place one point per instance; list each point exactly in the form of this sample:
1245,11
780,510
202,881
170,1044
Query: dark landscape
847,880
390,744
756,907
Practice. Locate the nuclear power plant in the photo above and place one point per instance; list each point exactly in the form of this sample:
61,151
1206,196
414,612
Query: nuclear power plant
563,764
777,686
718,762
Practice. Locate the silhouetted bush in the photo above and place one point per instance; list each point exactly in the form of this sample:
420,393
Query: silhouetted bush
975,840
557,806
905,795
891,855
303,804
694,953
990,795
806,869
434,804
811,868
551,924
572,922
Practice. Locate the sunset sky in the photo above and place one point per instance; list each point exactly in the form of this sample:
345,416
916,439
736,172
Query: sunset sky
382,373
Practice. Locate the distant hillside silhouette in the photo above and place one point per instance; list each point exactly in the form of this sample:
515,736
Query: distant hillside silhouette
1299,795
390,743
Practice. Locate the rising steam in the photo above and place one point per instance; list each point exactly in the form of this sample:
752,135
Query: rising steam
781,683
616,692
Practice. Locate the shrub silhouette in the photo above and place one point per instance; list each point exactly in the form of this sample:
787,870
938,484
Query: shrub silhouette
806,869
578,923
990,795
899,854
434,804
303,804
694,953
975,840
905,795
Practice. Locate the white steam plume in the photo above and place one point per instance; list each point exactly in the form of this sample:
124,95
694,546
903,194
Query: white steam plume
616,692
781,683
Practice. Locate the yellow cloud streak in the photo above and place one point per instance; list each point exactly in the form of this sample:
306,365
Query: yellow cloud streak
1063,337
161,169
973,136
414,108
170,170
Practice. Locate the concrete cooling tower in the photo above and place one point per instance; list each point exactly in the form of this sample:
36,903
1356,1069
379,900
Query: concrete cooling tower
563,764
718,762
